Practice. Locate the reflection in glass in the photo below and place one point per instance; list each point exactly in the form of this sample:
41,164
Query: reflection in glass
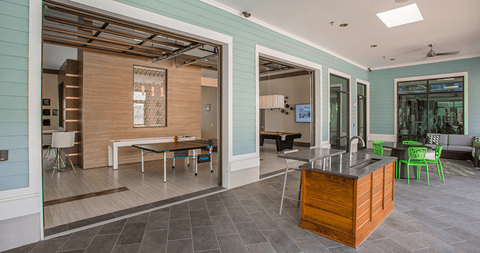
412,87
412,115
446,112
446,84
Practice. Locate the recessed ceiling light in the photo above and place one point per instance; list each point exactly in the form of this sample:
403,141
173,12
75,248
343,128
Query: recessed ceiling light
344,25
373,45
401,16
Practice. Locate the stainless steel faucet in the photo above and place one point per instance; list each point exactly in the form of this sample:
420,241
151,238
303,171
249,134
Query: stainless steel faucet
350,144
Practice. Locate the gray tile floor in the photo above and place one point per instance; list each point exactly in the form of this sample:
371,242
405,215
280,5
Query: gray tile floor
442,217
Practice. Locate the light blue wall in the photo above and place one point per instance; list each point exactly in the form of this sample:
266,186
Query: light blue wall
13,93
245,35
382,91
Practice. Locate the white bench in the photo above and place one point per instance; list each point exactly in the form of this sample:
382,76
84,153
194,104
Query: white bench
113,146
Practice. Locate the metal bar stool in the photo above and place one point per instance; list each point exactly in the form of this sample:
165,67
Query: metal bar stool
287,170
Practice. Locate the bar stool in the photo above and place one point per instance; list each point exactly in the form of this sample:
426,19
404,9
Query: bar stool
287,170
60,141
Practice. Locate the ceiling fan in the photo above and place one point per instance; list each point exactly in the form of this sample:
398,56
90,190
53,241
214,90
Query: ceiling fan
432,53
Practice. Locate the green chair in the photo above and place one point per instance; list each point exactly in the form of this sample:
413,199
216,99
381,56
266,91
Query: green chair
438,164
411,142
378,149
416,157
377,141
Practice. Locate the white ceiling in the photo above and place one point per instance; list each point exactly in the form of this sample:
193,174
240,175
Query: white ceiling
452,25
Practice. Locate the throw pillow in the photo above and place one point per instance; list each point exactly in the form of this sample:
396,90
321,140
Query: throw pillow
433,139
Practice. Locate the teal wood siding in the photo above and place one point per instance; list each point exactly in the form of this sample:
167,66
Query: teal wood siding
14,93
246,35
382,91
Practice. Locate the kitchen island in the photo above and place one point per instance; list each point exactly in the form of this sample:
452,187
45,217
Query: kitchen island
347,200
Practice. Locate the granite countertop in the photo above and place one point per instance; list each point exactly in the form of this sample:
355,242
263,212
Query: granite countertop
310,155
359,167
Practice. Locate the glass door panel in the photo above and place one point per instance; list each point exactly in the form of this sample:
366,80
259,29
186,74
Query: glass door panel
339,112
362,111
334,116
362,117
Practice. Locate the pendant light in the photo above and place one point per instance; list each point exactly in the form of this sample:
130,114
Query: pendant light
271,101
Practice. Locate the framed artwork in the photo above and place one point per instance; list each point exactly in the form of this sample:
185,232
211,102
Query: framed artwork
149,97
46,112
46,122
54,112
46,102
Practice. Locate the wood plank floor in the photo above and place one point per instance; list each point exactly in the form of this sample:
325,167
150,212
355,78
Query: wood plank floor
143,188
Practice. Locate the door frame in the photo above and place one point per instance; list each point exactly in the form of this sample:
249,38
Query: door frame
114,8
317,84
349,77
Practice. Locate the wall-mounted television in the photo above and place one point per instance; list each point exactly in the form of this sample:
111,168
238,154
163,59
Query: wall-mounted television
303,113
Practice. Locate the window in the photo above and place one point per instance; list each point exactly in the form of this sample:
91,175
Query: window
430,106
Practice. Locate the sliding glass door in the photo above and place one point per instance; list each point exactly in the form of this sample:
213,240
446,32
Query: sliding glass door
339,112
430,106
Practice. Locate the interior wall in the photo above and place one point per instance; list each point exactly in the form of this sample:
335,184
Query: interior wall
50,91
297,89
108,105
209,118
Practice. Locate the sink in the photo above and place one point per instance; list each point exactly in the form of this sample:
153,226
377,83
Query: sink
364,163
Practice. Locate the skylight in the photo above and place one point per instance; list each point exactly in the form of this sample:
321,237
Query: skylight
401,16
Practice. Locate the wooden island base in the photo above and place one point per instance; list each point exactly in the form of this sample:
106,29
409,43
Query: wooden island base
344,209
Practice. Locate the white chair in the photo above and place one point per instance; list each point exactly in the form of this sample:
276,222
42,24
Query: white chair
47,142
60,141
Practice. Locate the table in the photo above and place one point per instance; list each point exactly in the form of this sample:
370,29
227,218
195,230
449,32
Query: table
282,140
180,150
313,154
400,151
113,146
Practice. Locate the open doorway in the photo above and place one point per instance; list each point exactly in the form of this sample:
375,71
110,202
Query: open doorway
286,111
114,86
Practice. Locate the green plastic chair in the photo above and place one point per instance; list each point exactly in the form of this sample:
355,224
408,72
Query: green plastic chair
438,164
377,141
411,142
416,157
378,149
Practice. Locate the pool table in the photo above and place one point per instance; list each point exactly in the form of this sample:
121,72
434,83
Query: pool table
282,139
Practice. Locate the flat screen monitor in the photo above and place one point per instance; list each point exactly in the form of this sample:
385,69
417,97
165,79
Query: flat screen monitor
302,113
